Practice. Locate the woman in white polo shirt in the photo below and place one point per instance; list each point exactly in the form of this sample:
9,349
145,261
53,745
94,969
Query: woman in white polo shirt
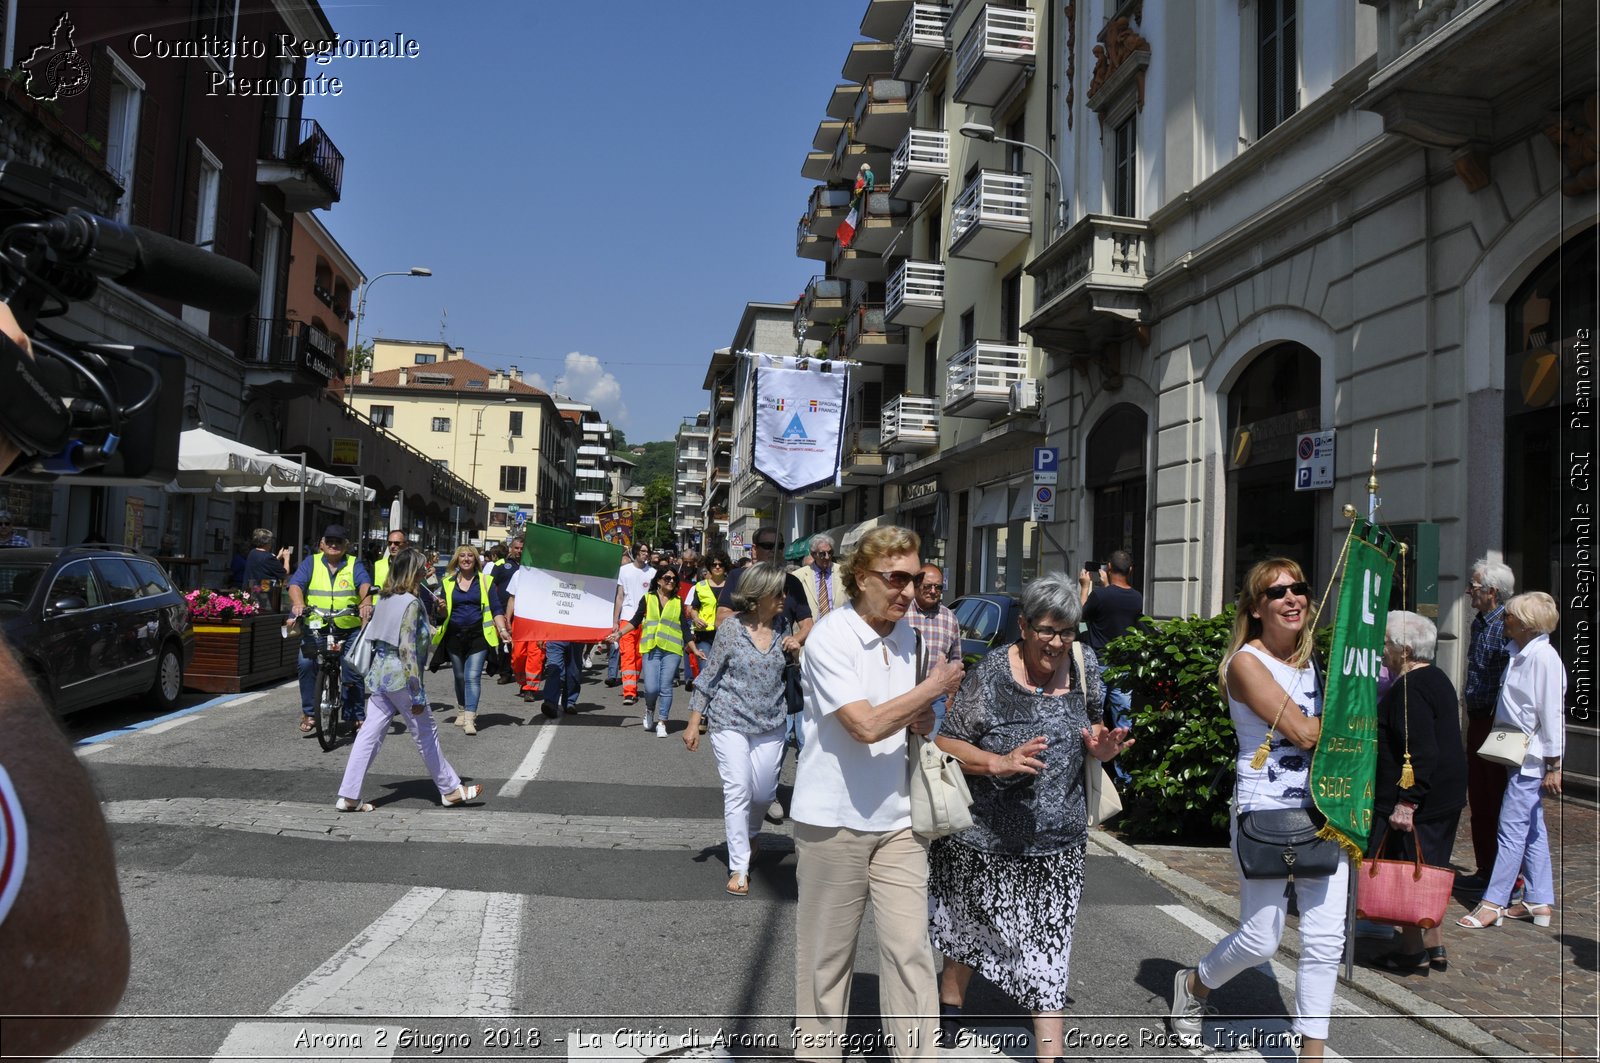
852,807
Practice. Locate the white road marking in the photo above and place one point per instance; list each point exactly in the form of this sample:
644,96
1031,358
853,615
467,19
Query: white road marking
295,1042
349,962
530,763
169,725
494,973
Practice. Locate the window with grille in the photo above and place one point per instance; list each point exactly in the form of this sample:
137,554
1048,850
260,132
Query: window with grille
513,478
441,424
1125,148
1277,69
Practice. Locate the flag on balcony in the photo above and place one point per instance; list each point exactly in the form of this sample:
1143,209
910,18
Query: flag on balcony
567,587
858,205
799,421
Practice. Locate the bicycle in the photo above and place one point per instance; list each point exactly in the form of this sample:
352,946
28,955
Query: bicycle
328,699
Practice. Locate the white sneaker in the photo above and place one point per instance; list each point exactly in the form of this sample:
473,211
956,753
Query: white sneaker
1189,1012
661,729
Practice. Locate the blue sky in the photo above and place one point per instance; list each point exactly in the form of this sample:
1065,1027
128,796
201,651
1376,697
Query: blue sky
598,188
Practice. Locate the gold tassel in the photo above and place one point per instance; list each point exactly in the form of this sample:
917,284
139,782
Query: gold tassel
1408,778
1259,761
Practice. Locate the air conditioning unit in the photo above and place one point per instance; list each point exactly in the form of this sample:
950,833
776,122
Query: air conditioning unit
1026,394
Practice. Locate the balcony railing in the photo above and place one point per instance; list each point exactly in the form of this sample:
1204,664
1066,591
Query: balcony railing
294,148
882,111
924,37
998,45
978,380
1403,24
820,308
920,164
916,293
992,216
863,452
910,423
1099,250
869,337
824,211
286,343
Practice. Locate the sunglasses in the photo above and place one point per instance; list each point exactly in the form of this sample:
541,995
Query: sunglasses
823,553
397,542
770,544
669,579
337,544
900,580
1299,590
936,587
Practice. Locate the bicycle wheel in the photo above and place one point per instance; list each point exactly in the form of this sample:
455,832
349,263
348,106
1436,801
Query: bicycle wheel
327,704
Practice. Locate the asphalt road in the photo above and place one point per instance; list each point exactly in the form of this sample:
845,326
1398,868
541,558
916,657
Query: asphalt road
577,912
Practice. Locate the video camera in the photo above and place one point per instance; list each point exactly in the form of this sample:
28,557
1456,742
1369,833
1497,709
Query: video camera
104,411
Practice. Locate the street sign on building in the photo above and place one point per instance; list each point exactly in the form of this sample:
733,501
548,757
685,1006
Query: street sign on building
1044,503
1313,461
1045,465
344,450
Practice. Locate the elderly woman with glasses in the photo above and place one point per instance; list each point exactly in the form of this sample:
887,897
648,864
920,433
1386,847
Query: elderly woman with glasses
666,632
852,805
1004,893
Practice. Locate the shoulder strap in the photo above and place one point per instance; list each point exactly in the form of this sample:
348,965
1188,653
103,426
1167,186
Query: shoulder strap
1083,676
922,657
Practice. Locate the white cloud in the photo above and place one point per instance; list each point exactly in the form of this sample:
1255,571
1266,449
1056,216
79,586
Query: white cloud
585,379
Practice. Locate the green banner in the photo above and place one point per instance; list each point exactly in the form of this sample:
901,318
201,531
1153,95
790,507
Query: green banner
1343,764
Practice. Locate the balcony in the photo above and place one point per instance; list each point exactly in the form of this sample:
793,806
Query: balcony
824,211
822,305
867,58
1457,73
910,424
850,152
287,358
916,293
920,164
842,101
868,336
882,113
884,18
592,451
923,38
978,380
992,216
725,398
855,264
1090,283
863,460
883,218
302,162
584,473
588,496
997,48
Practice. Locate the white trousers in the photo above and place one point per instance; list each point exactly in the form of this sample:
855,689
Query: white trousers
749,766
1263,907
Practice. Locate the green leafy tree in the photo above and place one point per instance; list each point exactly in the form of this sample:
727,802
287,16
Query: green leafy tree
356,359
654,522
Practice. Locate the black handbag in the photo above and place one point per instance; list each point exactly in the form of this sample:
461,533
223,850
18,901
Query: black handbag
1283,843
793,697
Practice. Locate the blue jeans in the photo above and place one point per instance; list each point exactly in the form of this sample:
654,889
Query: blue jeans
614,662
468,670
355,707
1119,704
563,673
660,669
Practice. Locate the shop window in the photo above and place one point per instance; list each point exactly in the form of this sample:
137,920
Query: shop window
1114,474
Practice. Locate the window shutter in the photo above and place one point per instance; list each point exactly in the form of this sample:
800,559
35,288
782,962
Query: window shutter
98,124
190,223
144,167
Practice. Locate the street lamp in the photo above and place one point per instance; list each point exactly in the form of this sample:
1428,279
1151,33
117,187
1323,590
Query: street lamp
361,309
477,432
986,133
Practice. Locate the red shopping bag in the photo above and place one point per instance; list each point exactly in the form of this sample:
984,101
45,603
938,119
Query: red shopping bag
1402,892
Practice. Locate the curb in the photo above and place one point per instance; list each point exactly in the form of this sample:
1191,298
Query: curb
1375,987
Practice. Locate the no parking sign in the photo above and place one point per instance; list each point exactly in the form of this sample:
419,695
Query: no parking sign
1044,503
1313,461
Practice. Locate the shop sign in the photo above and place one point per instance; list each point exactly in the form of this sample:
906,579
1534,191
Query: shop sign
920,490
345,450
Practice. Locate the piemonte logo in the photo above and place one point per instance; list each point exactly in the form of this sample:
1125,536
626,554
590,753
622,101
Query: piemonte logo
57,71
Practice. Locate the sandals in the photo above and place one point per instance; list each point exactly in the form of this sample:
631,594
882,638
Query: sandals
307,724
344,804
1473,921
461,795
739,884
1438,958
1539,914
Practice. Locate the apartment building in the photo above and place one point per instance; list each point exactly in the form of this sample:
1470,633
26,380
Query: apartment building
592,464
693,442
505,438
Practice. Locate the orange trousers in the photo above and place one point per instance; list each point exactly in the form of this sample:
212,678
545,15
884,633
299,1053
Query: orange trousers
628,645
527,663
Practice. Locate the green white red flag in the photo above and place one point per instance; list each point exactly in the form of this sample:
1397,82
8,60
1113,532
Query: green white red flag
567,587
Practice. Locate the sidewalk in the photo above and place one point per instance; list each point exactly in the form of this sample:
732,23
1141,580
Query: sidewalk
1514,991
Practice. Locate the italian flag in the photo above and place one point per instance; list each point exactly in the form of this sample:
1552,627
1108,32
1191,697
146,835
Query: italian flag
574,587
847,228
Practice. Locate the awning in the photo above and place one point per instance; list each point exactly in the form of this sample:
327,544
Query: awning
853,536
209,463
994,505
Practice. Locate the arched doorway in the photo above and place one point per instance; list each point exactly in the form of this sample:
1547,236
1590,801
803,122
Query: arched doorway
1277,397
1114,475
1549,492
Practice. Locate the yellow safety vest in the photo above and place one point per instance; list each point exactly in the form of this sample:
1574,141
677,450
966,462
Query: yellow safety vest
490,635
662,629
707,596
335,591
380,573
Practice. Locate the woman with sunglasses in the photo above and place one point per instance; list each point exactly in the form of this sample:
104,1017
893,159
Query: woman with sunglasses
1004,893
702,600
1275,699
467,632
665,630
852,804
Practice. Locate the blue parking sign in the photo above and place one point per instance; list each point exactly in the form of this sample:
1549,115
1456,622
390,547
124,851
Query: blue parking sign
1046,461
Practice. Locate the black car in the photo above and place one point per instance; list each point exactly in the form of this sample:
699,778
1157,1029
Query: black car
93,624
987,621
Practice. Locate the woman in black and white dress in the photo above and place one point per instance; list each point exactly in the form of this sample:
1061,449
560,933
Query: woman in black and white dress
1003,894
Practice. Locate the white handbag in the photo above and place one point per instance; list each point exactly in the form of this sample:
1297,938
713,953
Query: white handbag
358,652
941,803
1100,798
1505,745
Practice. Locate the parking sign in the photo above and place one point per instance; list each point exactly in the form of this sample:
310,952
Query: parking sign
1045,464
1044,503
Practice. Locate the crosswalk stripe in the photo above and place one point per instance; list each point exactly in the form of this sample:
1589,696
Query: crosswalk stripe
300,1042
349,962
530,763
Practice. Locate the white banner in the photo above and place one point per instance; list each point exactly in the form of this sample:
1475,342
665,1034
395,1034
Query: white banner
799,422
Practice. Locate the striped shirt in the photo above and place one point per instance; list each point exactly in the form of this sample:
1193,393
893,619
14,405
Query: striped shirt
1486,662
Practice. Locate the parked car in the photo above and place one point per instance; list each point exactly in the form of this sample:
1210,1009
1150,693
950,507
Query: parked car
987,621
94,624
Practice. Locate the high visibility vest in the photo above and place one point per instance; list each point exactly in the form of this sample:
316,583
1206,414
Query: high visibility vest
380,572
335,591
663,628
490,635
706,596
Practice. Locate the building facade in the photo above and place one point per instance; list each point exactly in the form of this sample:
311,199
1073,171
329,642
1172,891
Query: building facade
693,455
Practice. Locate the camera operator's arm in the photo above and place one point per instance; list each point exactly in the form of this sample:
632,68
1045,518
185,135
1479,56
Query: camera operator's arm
65,940
9,451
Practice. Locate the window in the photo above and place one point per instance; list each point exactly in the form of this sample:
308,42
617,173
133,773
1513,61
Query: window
382,416
1277,69
424,359
515,419
122,131
969,329
441,424
76,581
442,463
513,479
209,192
1011,308
152,579
1124,158
120,582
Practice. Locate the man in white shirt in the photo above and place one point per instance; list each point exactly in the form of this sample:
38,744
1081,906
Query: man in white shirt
633,580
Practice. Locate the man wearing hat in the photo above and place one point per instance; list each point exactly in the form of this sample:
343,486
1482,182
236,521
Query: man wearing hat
331,579
9,535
